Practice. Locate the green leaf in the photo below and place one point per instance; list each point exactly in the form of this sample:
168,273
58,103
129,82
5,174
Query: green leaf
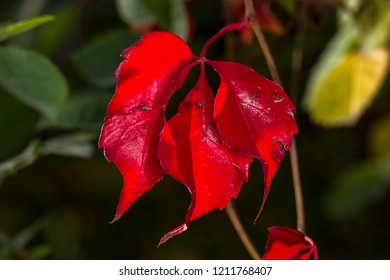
15,135
52,37
288,5
40,252
161,10
347,89
179,19
13,29
170,15
73,145
12,247
358,186
135,12
27,157
84,110
99,58
379,31
33,79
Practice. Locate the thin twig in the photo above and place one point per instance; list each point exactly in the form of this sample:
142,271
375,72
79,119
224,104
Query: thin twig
297,53
299,205
231,211
296,70
251,13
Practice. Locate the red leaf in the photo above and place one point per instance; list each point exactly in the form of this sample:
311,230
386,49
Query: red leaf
152,70
254,116
191,152
285,243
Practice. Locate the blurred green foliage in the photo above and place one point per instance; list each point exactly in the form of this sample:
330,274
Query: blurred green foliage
58,193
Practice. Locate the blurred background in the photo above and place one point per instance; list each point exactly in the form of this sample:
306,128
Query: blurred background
58,193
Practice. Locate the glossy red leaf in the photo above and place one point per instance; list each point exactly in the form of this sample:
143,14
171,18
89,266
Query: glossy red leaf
190,151
254,116
152,70
285,243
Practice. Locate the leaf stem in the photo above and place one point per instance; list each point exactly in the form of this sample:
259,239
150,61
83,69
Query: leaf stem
253,21
220,33
232,213
299,205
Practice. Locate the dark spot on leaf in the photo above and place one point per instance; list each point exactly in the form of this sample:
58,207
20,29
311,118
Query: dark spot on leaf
281,144
145,107
198,105
207,128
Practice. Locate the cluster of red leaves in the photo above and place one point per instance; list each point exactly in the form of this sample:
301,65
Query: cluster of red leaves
209,144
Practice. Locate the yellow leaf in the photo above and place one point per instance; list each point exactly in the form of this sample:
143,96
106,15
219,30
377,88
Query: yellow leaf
345,92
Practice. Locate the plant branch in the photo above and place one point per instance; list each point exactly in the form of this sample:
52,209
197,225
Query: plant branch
231,211
296,69
253,21
297,52
299,205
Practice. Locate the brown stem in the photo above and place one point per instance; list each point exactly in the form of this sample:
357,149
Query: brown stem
231,211
299,205
251,13
296,69
297,52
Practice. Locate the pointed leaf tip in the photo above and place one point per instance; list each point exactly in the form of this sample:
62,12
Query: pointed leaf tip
172,233
254,117
116,218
